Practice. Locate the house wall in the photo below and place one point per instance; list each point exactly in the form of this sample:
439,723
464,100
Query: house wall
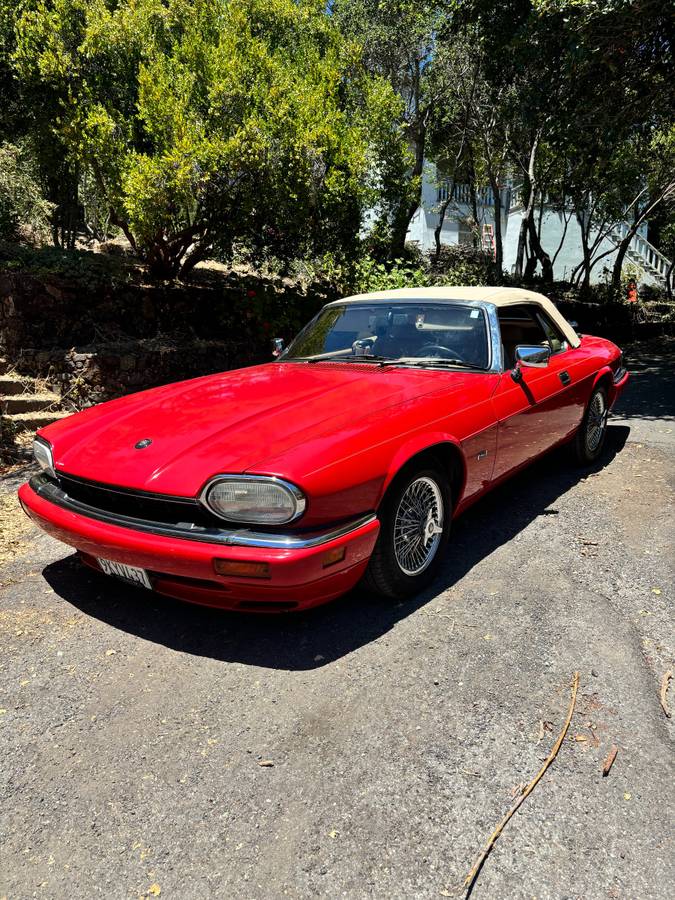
562,242
426,218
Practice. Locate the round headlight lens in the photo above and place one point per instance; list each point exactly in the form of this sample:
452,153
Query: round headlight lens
254,500
42,453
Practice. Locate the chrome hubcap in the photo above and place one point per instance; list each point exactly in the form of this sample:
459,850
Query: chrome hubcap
418,525
597,422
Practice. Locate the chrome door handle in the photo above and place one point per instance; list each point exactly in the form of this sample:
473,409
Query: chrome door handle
565,377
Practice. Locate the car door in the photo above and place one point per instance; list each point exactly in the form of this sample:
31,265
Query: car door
544,406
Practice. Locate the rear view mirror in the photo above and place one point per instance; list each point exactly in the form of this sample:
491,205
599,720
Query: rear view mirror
277,347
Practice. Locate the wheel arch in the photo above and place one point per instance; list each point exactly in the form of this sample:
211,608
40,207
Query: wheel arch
604,378
443,449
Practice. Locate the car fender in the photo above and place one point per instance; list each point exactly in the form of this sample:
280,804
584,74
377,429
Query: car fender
605,373
417,445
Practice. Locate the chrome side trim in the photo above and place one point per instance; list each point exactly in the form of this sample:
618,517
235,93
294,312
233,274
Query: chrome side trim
619,374
47,490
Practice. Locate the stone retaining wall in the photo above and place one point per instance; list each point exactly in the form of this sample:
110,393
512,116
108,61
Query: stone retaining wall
91,374
97,342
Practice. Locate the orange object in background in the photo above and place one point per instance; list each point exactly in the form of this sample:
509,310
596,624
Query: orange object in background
632,291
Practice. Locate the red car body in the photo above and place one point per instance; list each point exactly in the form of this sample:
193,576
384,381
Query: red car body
340,432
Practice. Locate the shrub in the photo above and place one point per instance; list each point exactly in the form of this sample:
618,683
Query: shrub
22,206
459,264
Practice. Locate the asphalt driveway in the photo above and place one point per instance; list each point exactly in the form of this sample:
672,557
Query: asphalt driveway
133,728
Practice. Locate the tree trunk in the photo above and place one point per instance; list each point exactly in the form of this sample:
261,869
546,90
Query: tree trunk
539,252
623,249
499,248
618,262
527,221
522,236
474,205
530,266
669,280
441,218
583,272
406,210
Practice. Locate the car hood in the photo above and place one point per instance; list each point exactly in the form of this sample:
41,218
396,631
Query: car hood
228,422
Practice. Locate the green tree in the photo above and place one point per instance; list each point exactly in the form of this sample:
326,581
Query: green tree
209,122
398,44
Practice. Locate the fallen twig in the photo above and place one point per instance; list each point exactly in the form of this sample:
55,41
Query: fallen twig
477,866
665,681
609,762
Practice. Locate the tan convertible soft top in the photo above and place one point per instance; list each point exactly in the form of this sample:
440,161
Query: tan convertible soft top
499,296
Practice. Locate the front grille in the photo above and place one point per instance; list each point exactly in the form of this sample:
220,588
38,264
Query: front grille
137,504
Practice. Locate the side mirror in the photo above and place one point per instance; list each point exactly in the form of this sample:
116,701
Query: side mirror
277,347
533,357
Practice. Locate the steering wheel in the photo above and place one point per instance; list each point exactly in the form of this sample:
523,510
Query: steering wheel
439,350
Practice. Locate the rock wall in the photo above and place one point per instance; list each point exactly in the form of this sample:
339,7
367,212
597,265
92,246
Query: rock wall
96,342
91,374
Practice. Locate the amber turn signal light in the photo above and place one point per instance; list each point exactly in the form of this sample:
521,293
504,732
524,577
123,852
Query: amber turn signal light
336,555
242,568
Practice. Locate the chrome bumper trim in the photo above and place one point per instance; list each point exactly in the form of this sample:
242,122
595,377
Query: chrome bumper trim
47,490
619,375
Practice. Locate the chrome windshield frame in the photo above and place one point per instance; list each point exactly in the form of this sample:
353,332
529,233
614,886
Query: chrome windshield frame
496,362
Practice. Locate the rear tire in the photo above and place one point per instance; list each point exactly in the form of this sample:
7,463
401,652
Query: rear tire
591,434
414,531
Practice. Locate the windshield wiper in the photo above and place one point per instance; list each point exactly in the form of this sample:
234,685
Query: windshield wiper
319,359
422,362
427,362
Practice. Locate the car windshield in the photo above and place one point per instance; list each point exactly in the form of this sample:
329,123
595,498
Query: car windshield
424,334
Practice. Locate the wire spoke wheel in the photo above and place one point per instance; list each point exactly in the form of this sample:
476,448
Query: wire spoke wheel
418,525
596,422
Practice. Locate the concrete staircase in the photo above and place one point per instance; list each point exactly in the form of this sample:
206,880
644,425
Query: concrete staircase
644,255
25,403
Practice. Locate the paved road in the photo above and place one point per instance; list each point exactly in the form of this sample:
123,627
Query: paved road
132,728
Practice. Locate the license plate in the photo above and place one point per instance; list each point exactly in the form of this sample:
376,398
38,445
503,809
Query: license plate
132,574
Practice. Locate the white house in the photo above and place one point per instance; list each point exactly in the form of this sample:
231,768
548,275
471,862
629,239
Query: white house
560,234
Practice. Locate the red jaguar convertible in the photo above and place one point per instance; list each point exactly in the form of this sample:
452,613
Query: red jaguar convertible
283,485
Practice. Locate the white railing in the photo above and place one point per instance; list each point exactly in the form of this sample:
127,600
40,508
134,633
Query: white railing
461,194
644,253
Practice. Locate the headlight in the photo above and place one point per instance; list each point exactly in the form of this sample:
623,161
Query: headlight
42,452
254,499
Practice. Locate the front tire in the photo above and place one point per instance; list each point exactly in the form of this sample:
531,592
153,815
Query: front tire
414,531
590,437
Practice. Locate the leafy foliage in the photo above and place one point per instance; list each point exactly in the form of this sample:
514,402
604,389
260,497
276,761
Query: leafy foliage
286,132
211,121
21,200
398,41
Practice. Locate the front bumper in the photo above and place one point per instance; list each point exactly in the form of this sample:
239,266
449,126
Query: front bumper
619,382
180,560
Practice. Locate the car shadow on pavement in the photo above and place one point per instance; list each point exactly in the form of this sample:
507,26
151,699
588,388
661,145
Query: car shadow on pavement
652,386
301,641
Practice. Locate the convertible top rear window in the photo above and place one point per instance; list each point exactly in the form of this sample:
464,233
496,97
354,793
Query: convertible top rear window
447,333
